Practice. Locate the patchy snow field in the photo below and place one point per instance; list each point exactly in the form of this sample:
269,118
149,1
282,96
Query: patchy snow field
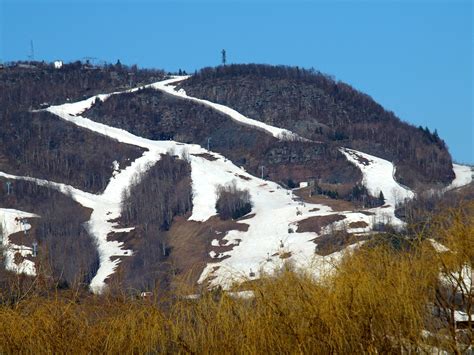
14,221
276,210
270,240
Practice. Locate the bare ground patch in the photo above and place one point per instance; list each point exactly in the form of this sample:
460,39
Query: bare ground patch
190,243
331,243
358,224
206,156
246,178
336,205
315,224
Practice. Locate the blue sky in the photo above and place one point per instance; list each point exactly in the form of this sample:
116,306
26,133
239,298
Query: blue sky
415,58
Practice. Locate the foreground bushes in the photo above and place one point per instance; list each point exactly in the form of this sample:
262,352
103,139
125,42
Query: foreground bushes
381,300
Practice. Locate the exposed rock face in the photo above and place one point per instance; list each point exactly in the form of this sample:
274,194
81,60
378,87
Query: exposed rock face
314,106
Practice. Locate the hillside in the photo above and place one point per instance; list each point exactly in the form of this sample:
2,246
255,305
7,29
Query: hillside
160,116
37,144
317,107
131,182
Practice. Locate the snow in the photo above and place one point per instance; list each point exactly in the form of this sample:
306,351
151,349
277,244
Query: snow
438,247
463,177
11,224
460,316
243,295
115,167
462,278
379,176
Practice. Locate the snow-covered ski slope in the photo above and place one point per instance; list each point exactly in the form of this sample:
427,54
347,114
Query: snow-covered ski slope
463,173
378,175
14,221
279,133
270,239
168,87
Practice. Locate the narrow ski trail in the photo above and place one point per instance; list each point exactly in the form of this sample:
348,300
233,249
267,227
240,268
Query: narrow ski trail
279,133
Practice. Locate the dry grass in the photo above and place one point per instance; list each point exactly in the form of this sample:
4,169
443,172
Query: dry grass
378,301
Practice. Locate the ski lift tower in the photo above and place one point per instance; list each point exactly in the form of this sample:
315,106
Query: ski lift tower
34,253
9,187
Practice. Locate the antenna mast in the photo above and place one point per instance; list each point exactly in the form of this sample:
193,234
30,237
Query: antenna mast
224,57
32,51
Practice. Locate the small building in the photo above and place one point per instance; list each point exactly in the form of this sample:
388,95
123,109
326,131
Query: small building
58,64
303,184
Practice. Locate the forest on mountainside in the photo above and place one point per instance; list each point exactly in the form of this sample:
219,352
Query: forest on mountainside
39,144
318,107
149,205
67,254
25,86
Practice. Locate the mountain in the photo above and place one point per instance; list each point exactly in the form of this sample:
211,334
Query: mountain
130,179
317,107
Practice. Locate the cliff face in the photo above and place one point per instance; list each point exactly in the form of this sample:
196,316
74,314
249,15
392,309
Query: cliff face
316,107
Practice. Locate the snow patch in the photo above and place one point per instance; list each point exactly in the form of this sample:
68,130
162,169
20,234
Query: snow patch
463,177
379,176
12,221
440,248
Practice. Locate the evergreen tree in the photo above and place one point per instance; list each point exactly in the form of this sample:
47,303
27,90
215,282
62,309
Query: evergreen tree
381,197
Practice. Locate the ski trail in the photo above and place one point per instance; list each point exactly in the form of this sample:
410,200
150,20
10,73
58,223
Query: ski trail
77,108
279,133
378,176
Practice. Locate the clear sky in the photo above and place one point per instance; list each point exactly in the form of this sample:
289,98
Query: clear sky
415,58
